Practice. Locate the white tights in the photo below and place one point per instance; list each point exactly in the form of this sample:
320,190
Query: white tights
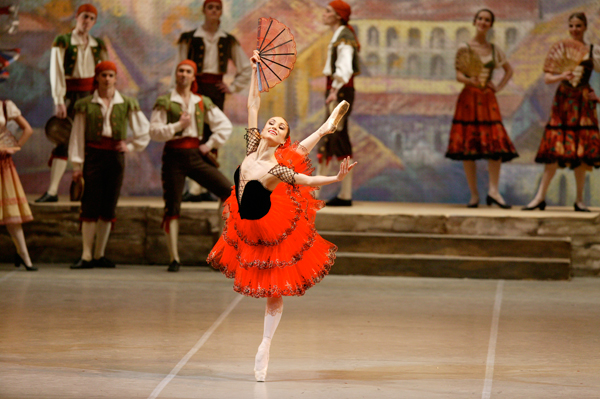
273,313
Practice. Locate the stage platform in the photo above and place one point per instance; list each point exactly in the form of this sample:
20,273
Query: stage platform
374,238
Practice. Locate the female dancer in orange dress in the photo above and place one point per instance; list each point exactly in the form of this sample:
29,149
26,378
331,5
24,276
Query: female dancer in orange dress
477,129
571,137
269,243
14,209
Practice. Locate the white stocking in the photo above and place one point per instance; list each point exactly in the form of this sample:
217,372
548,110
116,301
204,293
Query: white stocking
346,190
18,237
273,314
102,233
88,231
193,187
57,170
172,237
322,170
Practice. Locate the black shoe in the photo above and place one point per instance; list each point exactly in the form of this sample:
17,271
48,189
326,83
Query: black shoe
104,262
19,261
335,201
174,266
473,205
491,200
83,264
578,209
188,197
47,198
208,197
540,205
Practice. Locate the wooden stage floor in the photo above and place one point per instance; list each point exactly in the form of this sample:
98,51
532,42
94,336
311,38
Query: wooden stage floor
140,332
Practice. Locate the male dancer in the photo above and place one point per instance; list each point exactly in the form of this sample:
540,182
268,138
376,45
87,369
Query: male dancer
98,143
340,68
211,48
179,119
72,61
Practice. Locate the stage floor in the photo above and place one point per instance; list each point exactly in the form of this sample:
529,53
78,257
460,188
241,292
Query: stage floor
140,332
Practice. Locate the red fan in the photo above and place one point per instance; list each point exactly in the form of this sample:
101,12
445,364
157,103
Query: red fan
277,50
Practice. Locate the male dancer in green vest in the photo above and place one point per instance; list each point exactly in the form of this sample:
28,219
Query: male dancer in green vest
211,48
98,144
178,119
72,61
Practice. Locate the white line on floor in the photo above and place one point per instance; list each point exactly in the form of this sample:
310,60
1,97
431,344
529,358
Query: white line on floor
7,276
195,349
489,367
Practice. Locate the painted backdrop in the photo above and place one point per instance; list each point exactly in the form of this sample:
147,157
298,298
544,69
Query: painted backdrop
405,95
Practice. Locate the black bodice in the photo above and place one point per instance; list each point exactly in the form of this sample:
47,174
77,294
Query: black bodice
256,199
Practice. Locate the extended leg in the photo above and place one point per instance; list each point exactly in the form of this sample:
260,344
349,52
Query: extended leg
272,317
471,174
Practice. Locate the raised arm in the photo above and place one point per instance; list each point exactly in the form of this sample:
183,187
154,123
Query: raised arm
253,94
316,181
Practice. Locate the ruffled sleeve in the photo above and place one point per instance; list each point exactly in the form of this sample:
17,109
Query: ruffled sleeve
12,112
596,57
284,174
252,137
500,57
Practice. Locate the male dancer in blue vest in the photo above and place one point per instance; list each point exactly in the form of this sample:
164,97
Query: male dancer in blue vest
96,149
178,119
211,48
72,61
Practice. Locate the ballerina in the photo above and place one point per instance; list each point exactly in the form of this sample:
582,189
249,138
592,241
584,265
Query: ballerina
269,243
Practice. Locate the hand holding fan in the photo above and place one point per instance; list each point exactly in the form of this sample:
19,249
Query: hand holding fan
564,56
277,51
468,62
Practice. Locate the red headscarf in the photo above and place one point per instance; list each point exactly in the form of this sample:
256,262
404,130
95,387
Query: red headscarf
193,65
87,8
343,10
105,66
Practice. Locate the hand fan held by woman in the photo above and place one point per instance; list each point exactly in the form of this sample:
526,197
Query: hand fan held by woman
468,62
277,49
564,56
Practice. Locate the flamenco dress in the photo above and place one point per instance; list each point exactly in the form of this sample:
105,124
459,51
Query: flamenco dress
269,244
14,208
571,136
477,131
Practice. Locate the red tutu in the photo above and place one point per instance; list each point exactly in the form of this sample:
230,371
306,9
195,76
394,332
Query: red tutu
477,129
281,253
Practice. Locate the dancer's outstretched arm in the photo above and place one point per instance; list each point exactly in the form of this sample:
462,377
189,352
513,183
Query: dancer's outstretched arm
316,181
253,94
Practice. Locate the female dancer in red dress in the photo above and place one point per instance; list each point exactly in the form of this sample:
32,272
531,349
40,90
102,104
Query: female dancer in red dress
269,243
571,137
477,129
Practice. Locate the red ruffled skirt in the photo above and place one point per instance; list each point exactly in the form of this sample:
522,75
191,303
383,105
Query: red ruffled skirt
477,130
280,254
571,136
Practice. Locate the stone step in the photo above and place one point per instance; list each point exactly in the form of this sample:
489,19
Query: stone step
450,245
416,265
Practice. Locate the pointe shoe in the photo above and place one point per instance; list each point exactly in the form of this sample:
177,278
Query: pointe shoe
261,362
19,261
491,200
540,205
336,116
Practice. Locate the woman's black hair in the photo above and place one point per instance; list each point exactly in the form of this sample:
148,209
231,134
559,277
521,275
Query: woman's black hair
486,10
579,15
